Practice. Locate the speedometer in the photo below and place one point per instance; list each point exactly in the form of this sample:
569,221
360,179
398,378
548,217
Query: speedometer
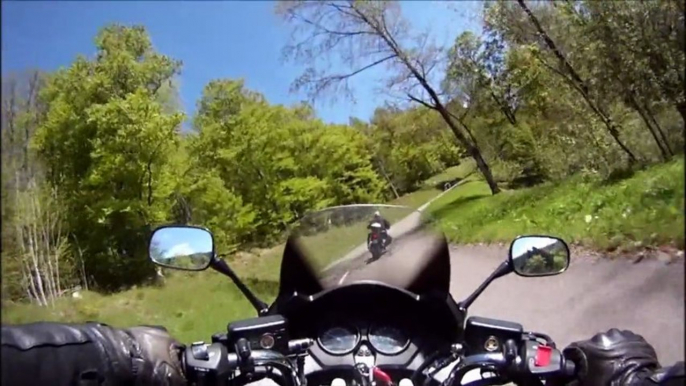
388,340
339,340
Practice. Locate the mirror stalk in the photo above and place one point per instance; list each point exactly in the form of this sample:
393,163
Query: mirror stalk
503,269
222,267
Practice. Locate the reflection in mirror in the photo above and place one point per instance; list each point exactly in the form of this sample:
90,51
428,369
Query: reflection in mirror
539,255
182,247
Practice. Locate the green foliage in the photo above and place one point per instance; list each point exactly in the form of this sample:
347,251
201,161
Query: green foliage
175,306
410,146
646,209
276,162
615,77
108,143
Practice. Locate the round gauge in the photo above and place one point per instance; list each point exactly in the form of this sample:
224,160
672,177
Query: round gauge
388,340
339,340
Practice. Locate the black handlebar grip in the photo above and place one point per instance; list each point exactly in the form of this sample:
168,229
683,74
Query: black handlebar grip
570,368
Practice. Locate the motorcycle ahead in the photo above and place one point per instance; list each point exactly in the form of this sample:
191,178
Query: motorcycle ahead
377,241
338,321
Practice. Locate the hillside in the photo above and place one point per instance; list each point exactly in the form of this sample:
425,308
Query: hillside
468,214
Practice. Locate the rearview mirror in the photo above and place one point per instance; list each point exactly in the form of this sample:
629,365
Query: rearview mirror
539,256
182,247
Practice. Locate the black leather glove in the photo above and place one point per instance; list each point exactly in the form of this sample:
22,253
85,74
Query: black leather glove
613,358
64,354
157,357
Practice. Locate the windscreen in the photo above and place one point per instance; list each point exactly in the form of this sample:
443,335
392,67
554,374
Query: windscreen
394,245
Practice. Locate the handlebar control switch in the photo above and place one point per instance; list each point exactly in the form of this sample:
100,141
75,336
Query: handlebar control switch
542,360
243,348
199,351
207,362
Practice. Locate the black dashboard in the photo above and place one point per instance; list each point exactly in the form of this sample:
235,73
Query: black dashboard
397,326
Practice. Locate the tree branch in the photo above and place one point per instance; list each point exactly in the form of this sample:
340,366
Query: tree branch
414,98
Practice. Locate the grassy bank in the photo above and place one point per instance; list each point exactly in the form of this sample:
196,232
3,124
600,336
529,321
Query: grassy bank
192,306
646,209
432,187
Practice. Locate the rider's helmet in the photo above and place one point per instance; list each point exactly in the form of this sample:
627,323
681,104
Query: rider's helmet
377,214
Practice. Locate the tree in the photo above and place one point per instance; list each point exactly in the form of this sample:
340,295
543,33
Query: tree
639,51
271,164
567,70
108,142
35,264
376,34
478,67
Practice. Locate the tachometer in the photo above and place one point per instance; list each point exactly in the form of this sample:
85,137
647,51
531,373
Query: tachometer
339,340
388,340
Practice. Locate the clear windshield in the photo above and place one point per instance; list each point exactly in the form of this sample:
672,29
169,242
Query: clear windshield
390,244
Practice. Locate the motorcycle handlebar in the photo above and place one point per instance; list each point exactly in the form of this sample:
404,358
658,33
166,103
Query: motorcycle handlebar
214,365
558,367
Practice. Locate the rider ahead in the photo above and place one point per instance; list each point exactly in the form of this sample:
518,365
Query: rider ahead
95,354
385,226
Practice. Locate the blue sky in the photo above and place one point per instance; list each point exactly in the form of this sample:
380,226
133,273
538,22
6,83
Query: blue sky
182,241
230,39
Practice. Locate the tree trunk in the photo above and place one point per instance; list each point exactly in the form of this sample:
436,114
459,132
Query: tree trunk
437,105
473,151
650,114
36,274
509,114
681,107
390,183
634,103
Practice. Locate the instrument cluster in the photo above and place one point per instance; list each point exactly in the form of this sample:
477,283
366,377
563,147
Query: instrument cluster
344,339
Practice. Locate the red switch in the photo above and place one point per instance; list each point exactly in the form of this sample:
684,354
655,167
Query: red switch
543,354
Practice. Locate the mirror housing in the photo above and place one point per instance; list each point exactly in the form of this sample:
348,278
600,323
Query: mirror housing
539,255
183,247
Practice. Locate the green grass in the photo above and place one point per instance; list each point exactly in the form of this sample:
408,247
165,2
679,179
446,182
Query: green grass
322,248
416,198
192,306
430,188
463,170
646,209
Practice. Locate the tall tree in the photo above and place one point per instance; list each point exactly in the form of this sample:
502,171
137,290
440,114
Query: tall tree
581,85
108,142
365,35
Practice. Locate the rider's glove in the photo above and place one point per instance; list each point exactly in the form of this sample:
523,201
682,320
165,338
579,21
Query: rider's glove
613,358
157,357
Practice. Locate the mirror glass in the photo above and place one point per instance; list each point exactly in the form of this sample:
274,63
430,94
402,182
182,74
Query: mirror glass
539,255
181,247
